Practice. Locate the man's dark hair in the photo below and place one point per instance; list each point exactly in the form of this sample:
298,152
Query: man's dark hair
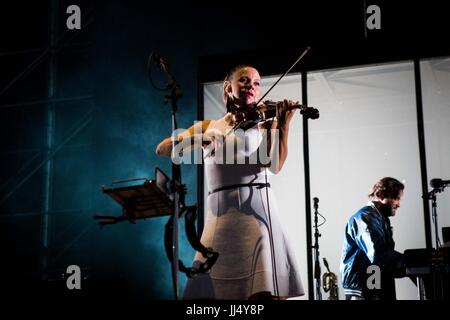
387,188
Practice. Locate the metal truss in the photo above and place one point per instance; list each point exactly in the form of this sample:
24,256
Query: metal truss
43,159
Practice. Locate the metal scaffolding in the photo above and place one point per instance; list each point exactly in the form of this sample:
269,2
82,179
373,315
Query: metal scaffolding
44,159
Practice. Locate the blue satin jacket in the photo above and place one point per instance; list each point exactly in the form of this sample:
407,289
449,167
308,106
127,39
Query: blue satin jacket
368,241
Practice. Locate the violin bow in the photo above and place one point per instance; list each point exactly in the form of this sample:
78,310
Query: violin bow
284,74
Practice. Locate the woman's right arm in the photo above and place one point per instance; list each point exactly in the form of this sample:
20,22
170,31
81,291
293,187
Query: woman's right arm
164,148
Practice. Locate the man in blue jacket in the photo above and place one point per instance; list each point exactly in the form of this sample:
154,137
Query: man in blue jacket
369,246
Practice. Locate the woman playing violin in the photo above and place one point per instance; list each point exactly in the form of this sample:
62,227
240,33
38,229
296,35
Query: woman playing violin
255,259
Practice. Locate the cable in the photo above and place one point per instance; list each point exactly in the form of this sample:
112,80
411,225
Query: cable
149,71
324,220
438,240
272,249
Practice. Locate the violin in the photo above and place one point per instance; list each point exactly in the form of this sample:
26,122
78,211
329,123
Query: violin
249,116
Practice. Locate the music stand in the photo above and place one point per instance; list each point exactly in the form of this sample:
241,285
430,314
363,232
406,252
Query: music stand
146,199
154,198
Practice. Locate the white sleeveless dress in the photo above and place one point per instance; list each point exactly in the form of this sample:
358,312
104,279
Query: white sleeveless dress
237,226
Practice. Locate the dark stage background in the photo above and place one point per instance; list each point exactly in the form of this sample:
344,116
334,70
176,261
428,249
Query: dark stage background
77,111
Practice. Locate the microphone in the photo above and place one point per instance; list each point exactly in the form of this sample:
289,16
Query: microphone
439,183
158,61
316,202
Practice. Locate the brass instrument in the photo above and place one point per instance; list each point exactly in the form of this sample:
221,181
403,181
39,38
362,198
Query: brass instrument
329,282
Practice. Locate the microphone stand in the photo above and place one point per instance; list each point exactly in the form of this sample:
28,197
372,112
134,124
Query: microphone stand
438,264
176,188
175,185
317,235
432,196
435,221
